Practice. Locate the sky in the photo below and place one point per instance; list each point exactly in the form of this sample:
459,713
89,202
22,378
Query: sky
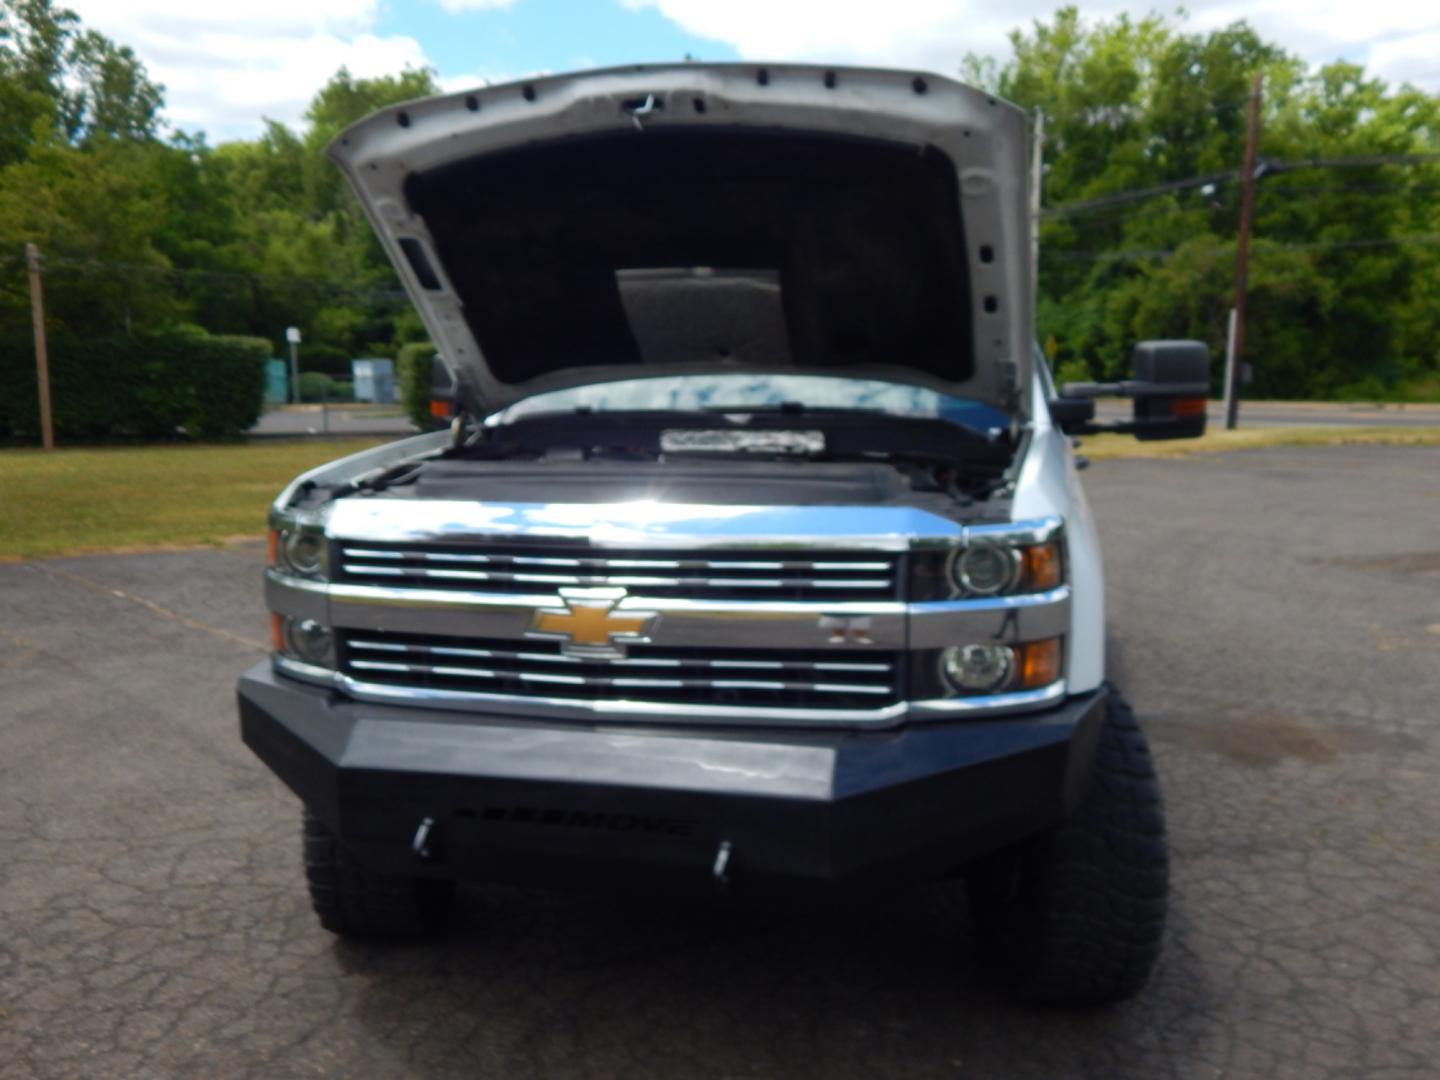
225,72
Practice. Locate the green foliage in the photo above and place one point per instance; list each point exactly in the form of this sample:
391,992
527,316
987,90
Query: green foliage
1072,371
100,210
333,361
316,386
154,386
78,83
412,377
1344,290
142,234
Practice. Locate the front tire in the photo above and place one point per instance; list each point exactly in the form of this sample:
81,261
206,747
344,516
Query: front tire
1076,916
355,902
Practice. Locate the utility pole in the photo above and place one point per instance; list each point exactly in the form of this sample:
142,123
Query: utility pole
42,358
1037,165
1242,253
292,335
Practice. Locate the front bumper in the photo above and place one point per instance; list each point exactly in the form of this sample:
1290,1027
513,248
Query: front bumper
525,800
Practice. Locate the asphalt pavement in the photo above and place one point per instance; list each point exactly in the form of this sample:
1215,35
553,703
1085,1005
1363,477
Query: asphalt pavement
1275,616
290,421
1254,414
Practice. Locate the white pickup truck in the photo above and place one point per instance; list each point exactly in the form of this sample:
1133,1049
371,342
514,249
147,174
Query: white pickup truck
754,559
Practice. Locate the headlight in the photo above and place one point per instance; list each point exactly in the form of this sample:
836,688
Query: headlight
990,568
990,560
985,569
995,668
300,551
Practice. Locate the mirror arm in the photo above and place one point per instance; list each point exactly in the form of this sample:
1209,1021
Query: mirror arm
1131,388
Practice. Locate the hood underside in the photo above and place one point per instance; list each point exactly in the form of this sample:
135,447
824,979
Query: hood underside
699,218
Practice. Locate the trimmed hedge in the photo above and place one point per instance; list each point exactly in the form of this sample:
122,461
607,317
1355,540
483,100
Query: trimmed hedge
151,387
412,376
316,386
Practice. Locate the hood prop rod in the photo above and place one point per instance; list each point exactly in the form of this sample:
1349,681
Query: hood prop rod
645,108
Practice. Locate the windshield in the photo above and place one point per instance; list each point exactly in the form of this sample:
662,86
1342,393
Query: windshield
695,393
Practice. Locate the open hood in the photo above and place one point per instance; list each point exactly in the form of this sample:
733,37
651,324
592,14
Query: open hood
709,218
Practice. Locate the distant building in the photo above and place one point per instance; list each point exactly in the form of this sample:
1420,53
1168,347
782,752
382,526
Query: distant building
277,382
374,380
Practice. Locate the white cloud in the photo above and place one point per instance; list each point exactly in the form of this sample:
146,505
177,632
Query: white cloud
223,70
1395,38
225,67
457,6
1413,58
470,80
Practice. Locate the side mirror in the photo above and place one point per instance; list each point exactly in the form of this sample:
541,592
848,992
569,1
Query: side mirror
442,393
1172,381
1169,391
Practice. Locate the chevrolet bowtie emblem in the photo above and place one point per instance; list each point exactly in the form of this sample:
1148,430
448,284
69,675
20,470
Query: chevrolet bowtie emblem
589,627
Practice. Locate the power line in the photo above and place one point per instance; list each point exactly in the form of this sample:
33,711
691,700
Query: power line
1121,197
61,264
1137,254
1100,220
1266,166
1351,162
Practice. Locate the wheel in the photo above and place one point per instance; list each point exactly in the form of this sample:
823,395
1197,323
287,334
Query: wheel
355,902
1076,916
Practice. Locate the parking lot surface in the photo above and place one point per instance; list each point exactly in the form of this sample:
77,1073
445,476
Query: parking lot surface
1275,617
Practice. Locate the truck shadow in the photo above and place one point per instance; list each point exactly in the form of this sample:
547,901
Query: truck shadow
540,983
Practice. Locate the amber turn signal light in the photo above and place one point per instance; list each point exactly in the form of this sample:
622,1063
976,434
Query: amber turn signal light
277,630
272,548
440,408
1188,407
1042,566
1039,663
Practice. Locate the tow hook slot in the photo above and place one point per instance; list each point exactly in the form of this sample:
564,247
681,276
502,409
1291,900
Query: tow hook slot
720,871
421,844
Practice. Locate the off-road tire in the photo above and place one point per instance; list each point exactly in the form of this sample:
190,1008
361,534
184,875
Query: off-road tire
355,902
1076,916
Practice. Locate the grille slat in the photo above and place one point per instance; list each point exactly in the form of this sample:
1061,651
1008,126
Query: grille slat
810,678
830,576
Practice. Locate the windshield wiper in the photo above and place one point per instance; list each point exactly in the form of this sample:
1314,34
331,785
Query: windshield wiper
790,408
793,408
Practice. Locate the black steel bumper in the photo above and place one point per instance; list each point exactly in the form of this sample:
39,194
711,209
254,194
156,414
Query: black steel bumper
528,801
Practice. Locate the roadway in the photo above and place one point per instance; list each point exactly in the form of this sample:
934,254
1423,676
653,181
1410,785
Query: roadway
1303,414
1275,617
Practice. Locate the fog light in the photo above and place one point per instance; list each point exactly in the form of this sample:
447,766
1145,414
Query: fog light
305,552
308,640
978,669
984,569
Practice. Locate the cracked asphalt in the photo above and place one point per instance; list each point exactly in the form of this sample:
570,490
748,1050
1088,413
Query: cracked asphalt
1275,616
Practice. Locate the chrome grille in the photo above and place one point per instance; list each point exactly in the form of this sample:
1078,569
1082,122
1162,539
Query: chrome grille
765,574
753,677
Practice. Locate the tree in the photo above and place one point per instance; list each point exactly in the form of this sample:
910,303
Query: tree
1340,293
95,216
77,82
113,98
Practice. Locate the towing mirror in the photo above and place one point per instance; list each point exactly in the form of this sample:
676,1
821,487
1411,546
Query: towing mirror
442,393
1169,391
1172,381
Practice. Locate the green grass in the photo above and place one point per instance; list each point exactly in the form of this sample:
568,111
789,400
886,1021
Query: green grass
69,502
1216,440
